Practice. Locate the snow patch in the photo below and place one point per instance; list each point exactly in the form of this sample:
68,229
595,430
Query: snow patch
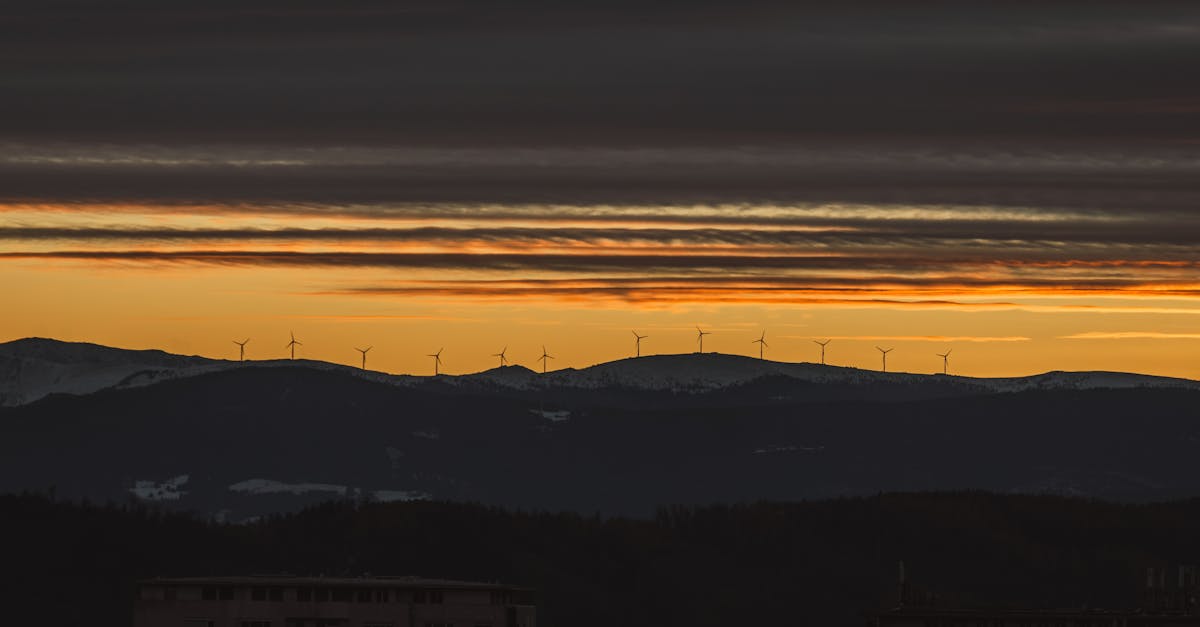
168,490
394,455
553,416
394,496
269,486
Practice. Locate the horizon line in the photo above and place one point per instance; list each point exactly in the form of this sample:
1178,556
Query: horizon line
285,361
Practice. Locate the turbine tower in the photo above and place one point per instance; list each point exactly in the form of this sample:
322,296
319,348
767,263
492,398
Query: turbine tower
242,348
639,339
822,345
503,359
437,361
293,344
364,352
884,353
762,343
544,357
700,336
945,361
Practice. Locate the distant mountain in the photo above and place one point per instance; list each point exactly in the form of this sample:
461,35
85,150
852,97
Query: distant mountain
33,368
239,440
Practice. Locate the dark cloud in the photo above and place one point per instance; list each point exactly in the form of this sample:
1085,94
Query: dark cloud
990,236
923,145
870,267
1134,177
472,72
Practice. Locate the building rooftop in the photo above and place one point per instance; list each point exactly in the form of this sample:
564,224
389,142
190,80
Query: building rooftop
348,582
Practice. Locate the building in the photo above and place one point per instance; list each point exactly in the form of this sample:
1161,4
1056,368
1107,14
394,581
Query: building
274,601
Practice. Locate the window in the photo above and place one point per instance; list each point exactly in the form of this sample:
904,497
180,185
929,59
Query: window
256,623
209,593
258,594
304,594
342,595
419,596
275,594
321,595
435,596
365,596
381,596
225,593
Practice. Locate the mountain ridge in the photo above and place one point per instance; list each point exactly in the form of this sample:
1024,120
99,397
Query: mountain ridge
33,368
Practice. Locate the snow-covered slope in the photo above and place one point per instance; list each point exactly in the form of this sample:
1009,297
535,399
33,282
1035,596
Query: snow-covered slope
691,373
1059,380
709,371
32,368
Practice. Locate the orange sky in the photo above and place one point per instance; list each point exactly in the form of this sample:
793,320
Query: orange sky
474,282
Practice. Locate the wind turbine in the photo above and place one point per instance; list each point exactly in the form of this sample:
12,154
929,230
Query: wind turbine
639,342
822,345
293,344
437,360
762,343
503,359
700,336
884,352
242,348
364,352
544,357
945,361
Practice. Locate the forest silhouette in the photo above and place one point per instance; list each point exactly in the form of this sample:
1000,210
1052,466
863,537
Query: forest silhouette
819,562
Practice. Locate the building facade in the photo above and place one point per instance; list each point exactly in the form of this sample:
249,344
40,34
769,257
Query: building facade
256,601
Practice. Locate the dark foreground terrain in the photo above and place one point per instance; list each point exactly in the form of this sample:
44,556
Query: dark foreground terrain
241,443
816,563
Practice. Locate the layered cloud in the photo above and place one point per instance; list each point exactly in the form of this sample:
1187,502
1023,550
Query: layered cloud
1131,335
821,254
939,154
579,71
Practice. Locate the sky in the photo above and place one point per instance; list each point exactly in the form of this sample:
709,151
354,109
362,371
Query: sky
1016,182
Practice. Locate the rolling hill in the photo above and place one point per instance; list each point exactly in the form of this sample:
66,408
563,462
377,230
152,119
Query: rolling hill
238,440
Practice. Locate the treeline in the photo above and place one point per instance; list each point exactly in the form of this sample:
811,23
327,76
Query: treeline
820,563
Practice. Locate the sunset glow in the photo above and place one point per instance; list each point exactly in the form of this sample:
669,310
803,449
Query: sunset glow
409,280
1016,182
